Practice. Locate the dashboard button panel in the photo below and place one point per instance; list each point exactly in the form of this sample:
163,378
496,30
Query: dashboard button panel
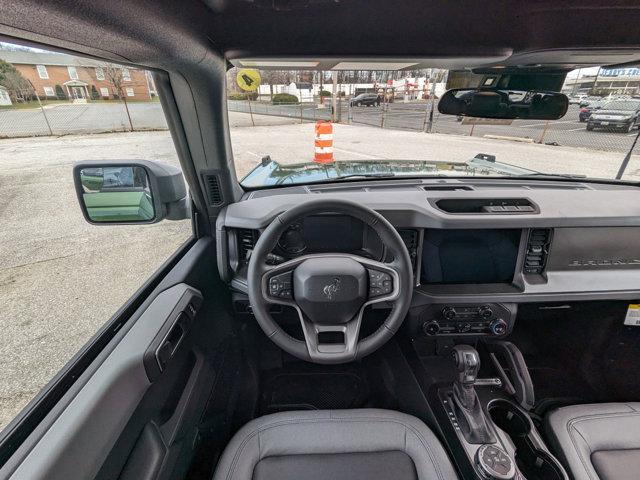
280,286
380,283
490,319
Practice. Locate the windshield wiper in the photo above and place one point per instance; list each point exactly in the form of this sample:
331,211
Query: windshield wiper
552,175
365,175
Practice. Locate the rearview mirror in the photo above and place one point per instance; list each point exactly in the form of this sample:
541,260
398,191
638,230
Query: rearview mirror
121,192
505,104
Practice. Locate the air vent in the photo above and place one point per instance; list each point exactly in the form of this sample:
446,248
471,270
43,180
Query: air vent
447,188
214,190
410,239
246,241
535,259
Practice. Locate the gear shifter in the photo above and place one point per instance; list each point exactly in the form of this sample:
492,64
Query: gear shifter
466,404
467,364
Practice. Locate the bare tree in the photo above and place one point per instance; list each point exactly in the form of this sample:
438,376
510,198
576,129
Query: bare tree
273,77
114,75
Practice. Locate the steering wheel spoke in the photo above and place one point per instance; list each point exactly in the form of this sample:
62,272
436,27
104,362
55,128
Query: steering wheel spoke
328,343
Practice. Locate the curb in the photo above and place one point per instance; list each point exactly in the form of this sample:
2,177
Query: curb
512,139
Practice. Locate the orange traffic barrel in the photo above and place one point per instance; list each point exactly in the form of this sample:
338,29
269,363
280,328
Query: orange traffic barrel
324,142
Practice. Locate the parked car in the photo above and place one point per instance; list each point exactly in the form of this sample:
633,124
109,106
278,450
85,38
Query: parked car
620,114
586,111
366,99
588,100
576,99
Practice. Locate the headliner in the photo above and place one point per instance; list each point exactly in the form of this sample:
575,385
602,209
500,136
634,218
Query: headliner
165,33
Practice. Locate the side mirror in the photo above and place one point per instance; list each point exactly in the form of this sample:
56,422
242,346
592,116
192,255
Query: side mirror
504,104
130,191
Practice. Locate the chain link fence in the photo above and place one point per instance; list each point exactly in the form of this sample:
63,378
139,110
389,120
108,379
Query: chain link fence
34,119
423,116
419,116
302,111
567,131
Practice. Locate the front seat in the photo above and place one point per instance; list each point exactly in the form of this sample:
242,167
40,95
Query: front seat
598,442
364,444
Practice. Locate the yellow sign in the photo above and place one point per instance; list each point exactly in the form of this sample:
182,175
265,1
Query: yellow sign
248,80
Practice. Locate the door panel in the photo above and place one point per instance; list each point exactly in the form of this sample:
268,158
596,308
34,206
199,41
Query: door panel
79,441
135,411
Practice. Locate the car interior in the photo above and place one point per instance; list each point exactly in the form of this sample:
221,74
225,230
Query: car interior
370,328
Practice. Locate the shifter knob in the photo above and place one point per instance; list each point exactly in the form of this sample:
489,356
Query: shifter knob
467,363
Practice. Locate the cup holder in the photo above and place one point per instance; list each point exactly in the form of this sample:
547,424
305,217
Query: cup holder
531,456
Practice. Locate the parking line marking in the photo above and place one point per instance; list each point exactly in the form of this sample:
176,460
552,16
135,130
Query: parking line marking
574,129
541,123
356,153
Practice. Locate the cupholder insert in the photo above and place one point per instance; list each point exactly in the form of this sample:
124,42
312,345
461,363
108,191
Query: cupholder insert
510,419
532,461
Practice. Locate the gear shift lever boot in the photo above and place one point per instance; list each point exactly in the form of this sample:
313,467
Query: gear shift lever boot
468,410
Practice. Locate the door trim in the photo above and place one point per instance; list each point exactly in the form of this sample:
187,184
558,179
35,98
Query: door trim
82,365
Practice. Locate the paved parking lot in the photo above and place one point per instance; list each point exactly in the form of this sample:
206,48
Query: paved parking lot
105,117
81,118
414,116
567,131
61,278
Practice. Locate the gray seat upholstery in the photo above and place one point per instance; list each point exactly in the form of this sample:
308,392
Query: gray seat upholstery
366,444
598,442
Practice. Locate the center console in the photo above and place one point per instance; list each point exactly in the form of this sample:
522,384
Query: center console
485,420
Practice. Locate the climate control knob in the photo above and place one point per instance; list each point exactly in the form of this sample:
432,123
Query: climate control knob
431,328
449,313
498,327
485,312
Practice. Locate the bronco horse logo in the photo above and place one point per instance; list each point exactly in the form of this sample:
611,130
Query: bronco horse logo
331,289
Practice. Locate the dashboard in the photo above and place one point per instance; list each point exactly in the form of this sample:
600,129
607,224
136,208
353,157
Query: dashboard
479,248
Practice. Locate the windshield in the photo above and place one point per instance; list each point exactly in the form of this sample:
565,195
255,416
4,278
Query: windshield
307,126
622,105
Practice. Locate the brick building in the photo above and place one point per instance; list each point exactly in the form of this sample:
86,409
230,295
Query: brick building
56,75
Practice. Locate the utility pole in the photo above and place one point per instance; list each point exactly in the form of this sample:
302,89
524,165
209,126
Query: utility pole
627,158
575,83
595,81
433,103
334,96
44,114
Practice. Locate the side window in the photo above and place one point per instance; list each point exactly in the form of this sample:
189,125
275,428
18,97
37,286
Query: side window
73,73
62,278
42,71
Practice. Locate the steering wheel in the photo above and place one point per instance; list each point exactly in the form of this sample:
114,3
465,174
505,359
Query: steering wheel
331,290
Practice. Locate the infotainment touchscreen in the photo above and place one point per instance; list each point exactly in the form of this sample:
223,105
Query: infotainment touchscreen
469,256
